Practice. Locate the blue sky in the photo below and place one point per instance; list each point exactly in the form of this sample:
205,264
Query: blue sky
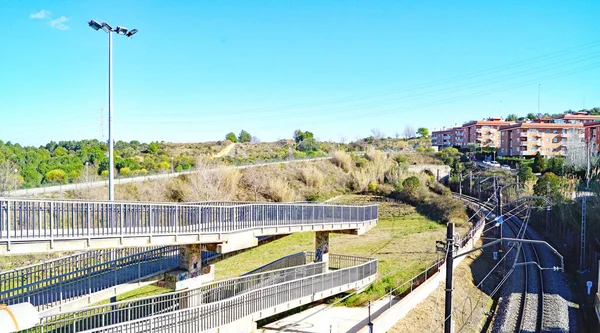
199,69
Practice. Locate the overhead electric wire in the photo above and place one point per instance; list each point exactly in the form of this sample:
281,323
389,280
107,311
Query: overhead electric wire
416,87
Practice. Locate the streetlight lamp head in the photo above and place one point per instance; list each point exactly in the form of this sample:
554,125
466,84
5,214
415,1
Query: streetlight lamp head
106,27
131,33
94,25
121,30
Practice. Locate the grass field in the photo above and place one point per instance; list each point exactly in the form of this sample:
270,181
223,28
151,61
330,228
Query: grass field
403,242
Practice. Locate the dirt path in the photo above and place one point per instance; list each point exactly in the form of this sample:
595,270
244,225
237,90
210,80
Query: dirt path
225,151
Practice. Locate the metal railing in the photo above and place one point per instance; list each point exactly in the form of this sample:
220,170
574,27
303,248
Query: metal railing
59,281
28,219
214,304
292,260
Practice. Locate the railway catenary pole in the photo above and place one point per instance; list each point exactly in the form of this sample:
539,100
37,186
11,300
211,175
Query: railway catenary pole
449,272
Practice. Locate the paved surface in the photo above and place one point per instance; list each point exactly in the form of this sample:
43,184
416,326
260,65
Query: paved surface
336,319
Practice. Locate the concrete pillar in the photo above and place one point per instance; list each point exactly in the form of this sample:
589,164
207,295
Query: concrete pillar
322,247
191,274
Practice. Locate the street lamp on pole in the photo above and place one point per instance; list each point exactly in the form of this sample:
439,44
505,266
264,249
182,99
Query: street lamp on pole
111,159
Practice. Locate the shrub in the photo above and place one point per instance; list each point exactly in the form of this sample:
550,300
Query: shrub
231,137
125,171
342,160
104,173
444,209
163,166
143,172
372,187
280,191
311,176
411,183
56,176
401,158
309,144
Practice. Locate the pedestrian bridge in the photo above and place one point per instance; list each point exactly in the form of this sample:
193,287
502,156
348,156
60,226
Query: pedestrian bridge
42,225
226,306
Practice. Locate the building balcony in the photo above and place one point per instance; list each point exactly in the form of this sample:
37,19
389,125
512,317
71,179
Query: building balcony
523,134
538,144
524,143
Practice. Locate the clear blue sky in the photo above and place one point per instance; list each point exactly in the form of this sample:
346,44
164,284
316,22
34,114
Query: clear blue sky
199,69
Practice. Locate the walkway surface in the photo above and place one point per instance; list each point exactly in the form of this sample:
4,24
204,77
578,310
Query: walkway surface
39,225
322,318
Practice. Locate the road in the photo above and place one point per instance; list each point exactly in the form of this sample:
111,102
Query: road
120,181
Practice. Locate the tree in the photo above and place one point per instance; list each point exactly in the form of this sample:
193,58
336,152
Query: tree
549,182
9,177
308,144
525,174
377,134
512,117
256,179
244,136
300,136
409,132
423,132
231,137
539,163
531,116
153,147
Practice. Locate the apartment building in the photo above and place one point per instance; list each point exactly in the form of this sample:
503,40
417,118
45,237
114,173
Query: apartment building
442,138
592,132
547,138
576,118
458,137
484,133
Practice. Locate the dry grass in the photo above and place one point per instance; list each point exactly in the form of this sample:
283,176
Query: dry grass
279,190
429,315
342,160
311,177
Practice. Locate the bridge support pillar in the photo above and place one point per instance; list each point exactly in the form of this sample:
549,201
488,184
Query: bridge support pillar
322,247
191,274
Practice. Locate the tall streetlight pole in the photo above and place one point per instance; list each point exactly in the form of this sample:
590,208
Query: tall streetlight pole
111,158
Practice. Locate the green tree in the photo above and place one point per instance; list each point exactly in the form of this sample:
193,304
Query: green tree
525,173
549,182
300,136
556,165
308,144
539,163
423,132
531,116
153,147
244,136
512,117
231,137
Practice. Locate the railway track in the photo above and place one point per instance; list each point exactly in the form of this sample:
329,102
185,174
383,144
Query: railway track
531,314
525,313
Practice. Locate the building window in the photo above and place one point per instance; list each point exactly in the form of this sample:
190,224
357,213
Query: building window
555,140
502,149
548,140
547,131
517,131
555,131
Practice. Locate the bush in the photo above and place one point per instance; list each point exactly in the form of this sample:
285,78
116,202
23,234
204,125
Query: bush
411,183
401,158
372,187
311,176
444,209
309,144
56,176
231,137
104,173
125,171
342,160
280,191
